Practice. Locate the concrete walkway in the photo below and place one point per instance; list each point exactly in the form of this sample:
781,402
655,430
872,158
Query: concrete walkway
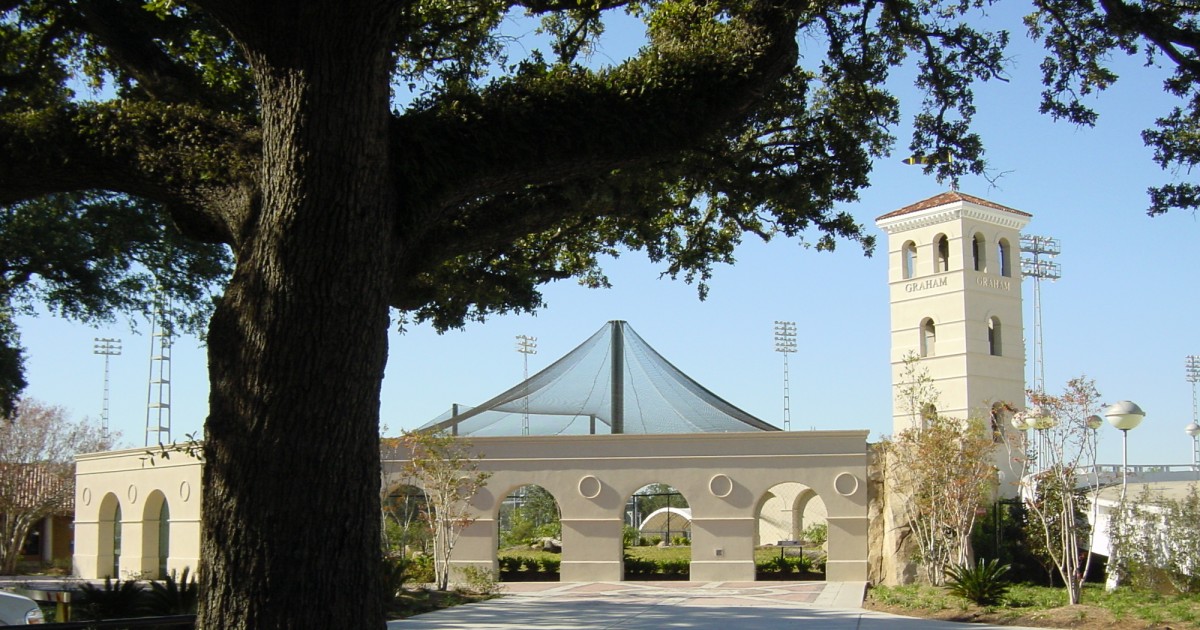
692,605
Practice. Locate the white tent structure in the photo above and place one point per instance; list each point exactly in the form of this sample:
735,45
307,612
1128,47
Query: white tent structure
667,522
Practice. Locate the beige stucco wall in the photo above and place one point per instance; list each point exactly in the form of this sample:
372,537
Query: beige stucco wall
725,478
128,479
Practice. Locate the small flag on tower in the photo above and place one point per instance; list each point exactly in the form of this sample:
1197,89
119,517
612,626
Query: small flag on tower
945,157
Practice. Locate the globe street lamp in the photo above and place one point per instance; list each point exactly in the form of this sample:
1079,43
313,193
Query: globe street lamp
1040,420
1124,415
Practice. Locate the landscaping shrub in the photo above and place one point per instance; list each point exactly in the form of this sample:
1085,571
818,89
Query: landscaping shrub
172,596
638,566
681,541
550,564
419,569
984,583
114,600
478,580
816,534
675,566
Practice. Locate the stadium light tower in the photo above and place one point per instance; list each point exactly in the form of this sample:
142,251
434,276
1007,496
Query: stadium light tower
158,388
1192,370
1038,267
526,345
785,343
109,348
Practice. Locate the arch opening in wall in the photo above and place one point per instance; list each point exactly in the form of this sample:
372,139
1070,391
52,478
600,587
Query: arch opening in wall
659,547
156,534
908,259
109,547
928,338
941,253
529,535
1004,257
979,252
405,528
995,345
792,533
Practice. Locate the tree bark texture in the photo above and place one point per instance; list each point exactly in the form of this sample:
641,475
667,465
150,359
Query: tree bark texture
297,349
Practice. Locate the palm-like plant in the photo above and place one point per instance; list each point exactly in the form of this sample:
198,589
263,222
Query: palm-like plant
173,596
983,583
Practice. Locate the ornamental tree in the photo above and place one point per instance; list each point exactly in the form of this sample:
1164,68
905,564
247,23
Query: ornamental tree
38,446
446,470
1059,480
938,473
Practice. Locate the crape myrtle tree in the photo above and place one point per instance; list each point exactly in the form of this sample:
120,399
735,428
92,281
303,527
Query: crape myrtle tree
938,472
1059,483
446,469
275,129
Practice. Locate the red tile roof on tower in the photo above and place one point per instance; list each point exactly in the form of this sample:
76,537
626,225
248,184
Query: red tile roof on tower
946,198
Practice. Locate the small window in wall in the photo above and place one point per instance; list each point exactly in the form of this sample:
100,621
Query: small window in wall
941,249
994,345
1004,253
908,259
978,252
928,338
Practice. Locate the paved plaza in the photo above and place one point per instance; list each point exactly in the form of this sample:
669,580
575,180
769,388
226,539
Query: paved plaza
692,605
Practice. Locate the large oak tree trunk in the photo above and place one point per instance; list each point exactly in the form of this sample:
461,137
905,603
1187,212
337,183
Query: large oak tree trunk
297,350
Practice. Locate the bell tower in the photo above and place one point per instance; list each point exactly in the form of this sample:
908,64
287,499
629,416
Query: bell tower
954,277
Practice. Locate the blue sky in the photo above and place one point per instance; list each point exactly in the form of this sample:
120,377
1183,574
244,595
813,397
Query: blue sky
1124,312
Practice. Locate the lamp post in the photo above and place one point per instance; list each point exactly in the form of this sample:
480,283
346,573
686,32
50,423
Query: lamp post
1192,373
1124,415
1193,431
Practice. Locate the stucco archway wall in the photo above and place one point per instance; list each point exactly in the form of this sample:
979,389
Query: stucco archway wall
140,488
723,475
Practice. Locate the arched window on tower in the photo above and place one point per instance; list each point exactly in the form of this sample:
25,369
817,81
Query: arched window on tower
928,338
1004,253
994,346
941,254
908,259
979,252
